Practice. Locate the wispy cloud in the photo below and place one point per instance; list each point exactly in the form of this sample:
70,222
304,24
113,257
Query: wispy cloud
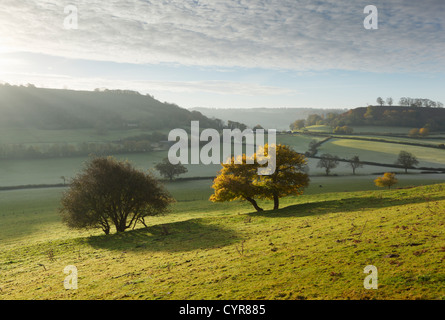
298,35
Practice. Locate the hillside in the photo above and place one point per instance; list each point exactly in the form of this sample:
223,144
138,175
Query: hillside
397,116
315,247
31,107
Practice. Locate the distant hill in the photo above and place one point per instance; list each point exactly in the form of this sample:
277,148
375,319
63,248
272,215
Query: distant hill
397,116
268,118
40,108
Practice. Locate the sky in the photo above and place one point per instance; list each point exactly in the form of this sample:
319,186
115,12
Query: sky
229,53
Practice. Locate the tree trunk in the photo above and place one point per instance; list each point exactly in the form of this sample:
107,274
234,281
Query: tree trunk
105,226
255,205
106,230
276,202
121,226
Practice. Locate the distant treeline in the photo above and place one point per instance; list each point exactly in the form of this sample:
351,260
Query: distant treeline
66,150
135,144
413,116
388,165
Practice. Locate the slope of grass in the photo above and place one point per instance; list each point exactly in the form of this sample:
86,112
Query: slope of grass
319,128
315,247
381,129
428,141
382,152
37,137
298,142
49,171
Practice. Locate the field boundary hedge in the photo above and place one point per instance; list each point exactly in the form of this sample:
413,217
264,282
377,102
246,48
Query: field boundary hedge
389,165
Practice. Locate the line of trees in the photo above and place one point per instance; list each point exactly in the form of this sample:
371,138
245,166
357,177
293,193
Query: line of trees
422,132
329,162
411,102
405,159
135,144
65,150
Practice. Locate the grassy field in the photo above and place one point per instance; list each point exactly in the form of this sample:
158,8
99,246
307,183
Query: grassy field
319,128
362,129
431,141
41,136
315,247
49,171
381,129
382,152
299,143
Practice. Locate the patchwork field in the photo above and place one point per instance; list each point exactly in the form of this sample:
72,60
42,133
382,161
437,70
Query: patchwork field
382,152
15,172
314,247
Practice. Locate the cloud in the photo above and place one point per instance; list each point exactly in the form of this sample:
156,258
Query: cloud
286,34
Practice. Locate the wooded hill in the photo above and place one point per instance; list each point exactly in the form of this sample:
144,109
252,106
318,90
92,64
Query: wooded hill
398,116
28,106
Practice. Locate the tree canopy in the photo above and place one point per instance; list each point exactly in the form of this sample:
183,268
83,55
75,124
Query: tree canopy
236,182
241,181
406,160
416,113
387,180
109,192
289,178
168,170
328,162
297,124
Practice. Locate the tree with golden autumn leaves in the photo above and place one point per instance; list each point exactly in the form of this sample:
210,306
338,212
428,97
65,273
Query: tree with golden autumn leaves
236,182
242,182
387,180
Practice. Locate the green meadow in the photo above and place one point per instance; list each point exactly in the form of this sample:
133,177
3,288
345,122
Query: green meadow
15,172
315,246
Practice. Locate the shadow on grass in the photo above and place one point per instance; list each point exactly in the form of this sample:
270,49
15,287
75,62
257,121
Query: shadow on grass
172,237
342,205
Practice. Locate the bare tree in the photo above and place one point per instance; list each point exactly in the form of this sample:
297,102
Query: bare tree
328,162
110,192
380,101
355,163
